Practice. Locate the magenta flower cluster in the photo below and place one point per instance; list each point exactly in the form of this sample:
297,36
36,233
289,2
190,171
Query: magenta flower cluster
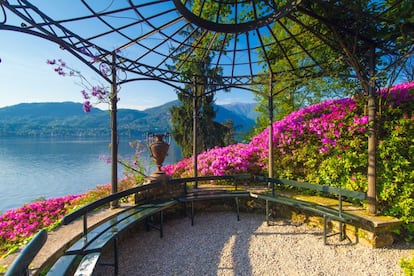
60,67
25,221
321,125
237,158
398,94
98,92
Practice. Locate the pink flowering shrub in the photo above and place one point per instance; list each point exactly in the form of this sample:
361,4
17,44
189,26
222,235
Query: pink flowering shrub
316,128
16,225
233,159
326,143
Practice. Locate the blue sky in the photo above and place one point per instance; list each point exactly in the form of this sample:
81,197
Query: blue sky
26,78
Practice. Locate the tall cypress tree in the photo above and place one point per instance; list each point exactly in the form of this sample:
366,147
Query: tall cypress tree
210,133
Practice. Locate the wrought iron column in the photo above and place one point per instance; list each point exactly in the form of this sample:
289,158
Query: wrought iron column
114,131
372,141
195,122
270,106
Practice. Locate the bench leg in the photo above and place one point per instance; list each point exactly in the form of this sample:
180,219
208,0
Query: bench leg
116,257
324,229
151,224
161,223
192,213
185,209
147,224
237,208
267,212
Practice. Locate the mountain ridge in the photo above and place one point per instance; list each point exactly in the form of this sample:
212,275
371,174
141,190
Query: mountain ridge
68,119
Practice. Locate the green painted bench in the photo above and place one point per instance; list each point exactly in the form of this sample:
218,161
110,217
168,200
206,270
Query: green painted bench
199,194
20,266
83,255
336,213
211,195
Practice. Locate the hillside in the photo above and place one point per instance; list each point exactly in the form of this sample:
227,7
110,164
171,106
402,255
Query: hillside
68,119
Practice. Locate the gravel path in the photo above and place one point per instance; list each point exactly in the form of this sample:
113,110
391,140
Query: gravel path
218,244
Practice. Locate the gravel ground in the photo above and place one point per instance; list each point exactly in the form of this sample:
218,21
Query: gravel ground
218,244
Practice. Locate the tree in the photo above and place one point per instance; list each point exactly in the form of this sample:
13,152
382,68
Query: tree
307,72
201,82
373,39
229,138
209,132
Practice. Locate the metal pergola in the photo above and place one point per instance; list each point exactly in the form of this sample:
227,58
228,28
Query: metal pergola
153,40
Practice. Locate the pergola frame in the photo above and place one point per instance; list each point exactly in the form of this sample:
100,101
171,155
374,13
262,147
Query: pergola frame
241,34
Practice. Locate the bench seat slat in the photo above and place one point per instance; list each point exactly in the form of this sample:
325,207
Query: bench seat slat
293,201
97,240
313,207
63,265
77,247
315,187
101,241
193,197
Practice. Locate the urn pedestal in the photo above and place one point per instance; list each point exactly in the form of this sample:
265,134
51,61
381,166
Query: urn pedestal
158,145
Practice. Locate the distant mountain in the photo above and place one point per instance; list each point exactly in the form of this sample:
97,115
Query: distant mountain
68,119
235,112
243,109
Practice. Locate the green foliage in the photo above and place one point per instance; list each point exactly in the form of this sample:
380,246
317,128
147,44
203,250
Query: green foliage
385,24
327,144
210,133
293,91
407,265
345,164
396,151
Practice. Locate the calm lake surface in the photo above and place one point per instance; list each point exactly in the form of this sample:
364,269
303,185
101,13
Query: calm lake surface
31,168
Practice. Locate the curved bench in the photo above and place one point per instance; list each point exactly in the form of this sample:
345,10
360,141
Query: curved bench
332,212
84,253
82,257
336,213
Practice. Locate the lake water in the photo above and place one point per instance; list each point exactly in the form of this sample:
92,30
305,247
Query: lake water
31,168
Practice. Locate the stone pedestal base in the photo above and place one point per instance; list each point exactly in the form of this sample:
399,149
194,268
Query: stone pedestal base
157,176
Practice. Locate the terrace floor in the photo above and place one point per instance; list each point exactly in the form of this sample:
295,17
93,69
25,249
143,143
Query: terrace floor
218,244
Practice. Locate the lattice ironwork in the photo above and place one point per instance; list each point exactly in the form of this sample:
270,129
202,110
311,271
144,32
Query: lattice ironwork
148,35
154,39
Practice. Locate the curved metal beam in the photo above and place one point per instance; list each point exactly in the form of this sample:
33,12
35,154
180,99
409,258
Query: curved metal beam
236,27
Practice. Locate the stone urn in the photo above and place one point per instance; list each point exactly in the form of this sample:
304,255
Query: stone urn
158,144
